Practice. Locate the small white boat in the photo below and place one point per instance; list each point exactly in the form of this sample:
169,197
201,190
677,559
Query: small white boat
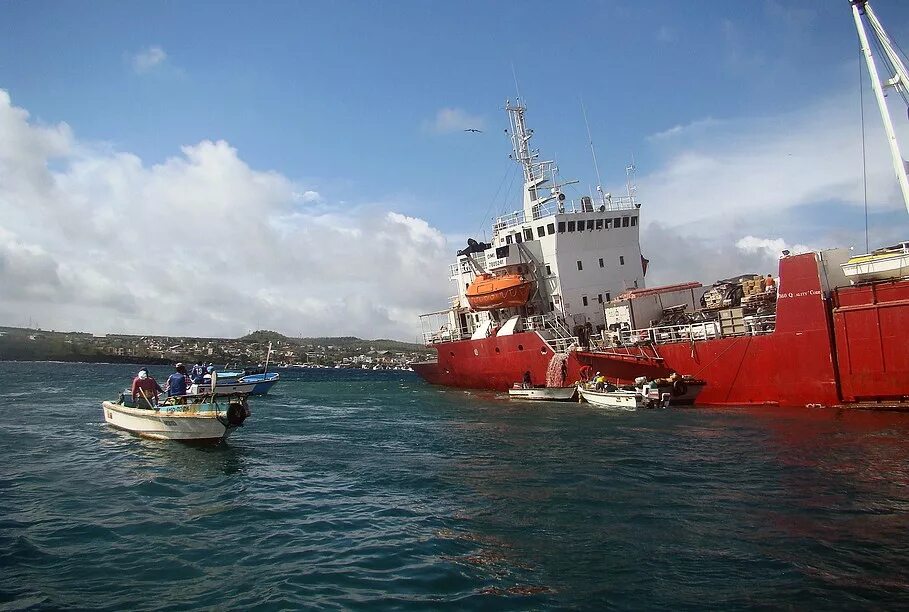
661,393
546,394
202,418
888,262
619,398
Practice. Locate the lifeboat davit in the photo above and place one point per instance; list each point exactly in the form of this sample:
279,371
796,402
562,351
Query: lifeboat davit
488,292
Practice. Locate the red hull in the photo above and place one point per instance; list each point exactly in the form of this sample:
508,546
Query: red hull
849,349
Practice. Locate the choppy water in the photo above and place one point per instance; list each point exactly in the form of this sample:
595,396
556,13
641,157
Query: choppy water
354,489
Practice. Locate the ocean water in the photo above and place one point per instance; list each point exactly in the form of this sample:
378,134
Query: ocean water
373,490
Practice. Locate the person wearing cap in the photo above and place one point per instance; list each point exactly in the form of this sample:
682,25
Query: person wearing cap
178,382
145,390
600,382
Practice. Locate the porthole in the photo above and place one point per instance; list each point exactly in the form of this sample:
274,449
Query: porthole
542,350
520,347
451,353
498,350
476,353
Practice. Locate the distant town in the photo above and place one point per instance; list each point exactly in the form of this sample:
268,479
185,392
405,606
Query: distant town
24,344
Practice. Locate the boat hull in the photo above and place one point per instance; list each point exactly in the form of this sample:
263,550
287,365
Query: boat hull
844,347
616,400
544,394
167,425
262,382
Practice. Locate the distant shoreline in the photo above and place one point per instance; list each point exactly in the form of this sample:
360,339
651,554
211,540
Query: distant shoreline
111,359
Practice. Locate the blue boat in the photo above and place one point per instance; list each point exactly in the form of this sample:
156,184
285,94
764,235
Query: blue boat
239,382
264,382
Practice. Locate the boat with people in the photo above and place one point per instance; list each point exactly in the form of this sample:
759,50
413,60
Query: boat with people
827,329
204,417
672,391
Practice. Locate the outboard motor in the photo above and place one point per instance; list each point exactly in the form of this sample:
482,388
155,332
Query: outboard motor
237,412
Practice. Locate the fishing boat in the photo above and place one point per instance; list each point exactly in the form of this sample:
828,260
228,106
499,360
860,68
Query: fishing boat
621,399
828,329
200,418
545,394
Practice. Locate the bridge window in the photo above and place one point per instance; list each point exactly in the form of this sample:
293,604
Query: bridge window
599,224
561,227
634,221
601,262
608,223
517,238
617,222
590,225
541,231
550,229
584,299
600,298
621,260
625,221
508,239
502,252
607,296
571,226
548,269
580,265
528,234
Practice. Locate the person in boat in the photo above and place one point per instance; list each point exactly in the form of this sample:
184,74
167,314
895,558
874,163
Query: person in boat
769,285
178,382
564,371
599,382
197,373
197,377
145,390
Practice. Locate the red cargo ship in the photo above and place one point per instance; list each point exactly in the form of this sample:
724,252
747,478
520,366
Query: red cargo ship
831,331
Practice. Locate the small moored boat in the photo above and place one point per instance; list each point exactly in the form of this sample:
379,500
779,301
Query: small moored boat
622,399
660,393
547,394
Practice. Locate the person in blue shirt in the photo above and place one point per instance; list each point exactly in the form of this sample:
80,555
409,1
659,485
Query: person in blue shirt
197,373
177,382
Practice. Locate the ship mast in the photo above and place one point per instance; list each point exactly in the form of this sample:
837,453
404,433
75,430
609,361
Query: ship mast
536,174
899,81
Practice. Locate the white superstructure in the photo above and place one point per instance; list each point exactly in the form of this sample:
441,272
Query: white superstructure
580,252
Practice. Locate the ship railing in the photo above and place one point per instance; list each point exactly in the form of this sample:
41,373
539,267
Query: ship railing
611,204
437,327
553,329
691,332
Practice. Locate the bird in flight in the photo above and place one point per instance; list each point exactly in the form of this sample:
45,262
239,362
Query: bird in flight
473,130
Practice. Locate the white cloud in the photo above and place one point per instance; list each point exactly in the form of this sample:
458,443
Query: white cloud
727,196
449,120
740,173
149,58
695,127
769,247
199,244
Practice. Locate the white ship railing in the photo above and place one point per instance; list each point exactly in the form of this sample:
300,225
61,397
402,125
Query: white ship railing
666,334
553,329
437,328
612,204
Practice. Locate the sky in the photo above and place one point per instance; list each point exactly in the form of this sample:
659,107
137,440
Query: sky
212,168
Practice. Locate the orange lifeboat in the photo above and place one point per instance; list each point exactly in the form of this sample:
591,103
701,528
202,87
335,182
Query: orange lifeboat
488,292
